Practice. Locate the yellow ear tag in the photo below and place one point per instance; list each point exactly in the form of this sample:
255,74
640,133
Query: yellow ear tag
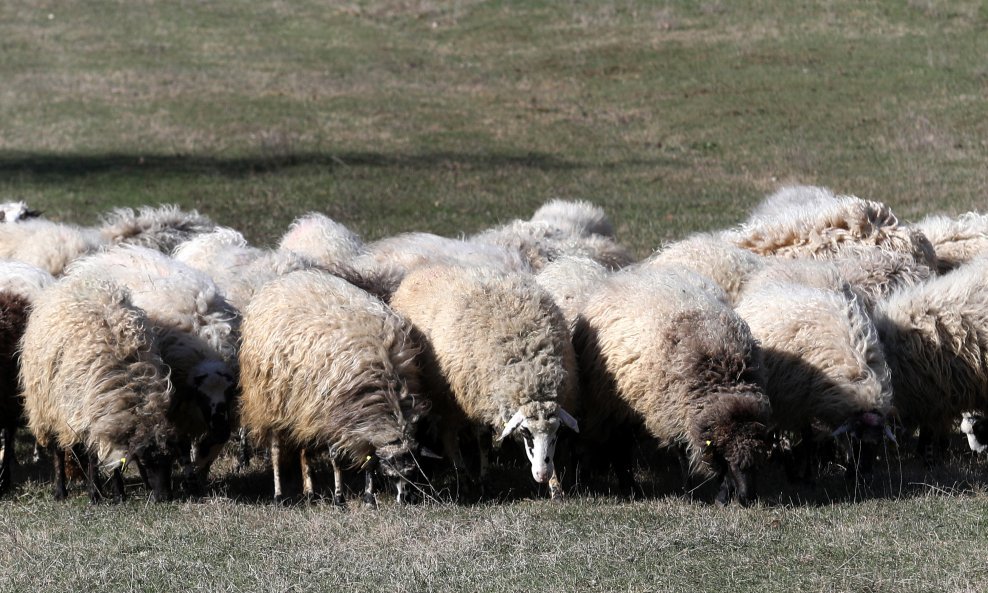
709,443
123,461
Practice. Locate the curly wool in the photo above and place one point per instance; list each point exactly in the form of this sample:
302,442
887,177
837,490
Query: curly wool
321,239
571,280
48,245
710,255
828,227
540,243
91,373
575,217
822,356
23,279
956,240
161,228
325,363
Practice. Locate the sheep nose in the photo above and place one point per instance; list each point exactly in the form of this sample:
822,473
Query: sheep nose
541,475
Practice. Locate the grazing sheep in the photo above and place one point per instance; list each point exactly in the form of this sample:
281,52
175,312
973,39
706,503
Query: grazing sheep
161,228
711,256
197,333
655,346
92,378
322,240
793,199
541,242
956,240
16,211
575,217
324,363
14,309
48,245
498,357
571,280
825,229
822,362
935,336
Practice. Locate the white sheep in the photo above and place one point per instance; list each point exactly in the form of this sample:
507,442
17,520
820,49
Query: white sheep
956,240
23,279
655,347
822,362
710,255
828,227
571,280
498,357
935,336
326,364
48,245
575,217
321,239
93,380
540,242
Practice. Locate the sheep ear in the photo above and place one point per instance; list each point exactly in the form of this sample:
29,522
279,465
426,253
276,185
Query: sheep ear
569,420
512,424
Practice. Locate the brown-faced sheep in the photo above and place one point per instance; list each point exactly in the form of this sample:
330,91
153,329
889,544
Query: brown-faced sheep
653,345
498,356
325,364
956,240
92,377
935,336
197,334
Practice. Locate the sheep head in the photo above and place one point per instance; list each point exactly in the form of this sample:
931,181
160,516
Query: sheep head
735,440
538,423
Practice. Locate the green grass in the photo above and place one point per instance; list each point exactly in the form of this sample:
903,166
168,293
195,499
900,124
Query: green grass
451,117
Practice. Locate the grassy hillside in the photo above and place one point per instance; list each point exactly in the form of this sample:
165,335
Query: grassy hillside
451,117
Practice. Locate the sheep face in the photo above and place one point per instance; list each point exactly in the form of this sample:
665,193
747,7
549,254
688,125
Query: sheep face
215,389
397,462
976,429
538,424
736,441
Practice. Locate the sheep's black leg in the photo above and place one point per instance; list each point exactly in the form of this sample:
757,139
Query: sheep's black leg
58,458
369,499
93,478
244,453
6,464
118,486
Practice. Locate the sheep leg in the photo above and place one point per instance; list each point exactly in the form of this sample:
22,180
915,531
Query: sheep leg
726,492
93,478
118,486
7,462
58,457
279,498
338,498
370,500
451,445
555,487
244,453
307,489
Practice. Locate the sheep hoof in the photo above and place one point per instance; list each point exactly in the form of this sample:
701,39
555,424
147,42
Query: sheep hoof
370,501
282,500
556,494
339,501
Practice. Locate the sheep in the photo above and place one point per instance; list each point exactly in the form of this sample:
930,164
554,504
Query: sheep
822,362
92,378
391,258
871,274
935,336
23,279
16,211
575,217
956,240
541,242
197,333
14,309
322,240
48,245
498,356
324,363
825,229
161,228
571,280
655,347
710,255
792,199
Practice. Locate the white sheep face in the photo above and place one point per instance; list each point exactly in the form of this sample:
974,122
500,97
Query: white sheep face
539,429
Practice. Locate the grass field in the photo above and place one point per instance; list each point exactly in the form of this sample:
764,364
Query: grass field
451,117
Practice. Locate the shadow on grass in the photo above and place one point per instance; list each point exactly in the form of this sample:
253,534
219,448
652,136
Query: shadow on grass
78,165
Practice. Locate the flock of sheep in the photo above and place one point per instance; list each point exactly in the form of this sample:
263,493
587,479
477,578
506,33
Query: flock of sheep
157,337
